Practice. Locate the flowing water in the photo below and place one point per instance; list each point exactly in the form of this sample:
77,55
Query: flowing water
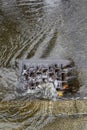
42,29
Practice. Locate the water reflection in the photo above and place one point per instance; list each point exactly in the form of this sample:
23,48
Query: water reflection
43,29
18,29
32,11
25,27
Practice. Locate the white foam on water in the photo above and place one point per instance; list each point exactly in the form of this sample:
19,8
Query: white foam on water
46,90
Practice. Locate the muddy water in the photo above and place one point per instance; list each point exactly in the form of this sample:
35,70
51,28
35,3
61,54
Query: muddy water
42,29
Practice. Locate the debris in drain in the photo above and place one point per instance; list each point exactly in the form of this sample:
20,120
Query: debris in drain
60,73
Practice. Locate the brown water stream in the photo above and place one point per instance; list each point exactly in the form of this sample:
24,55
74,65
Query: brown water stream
42,29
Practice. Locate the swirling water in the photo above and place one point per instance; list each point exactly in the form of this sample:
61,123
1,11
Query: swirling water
41,29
